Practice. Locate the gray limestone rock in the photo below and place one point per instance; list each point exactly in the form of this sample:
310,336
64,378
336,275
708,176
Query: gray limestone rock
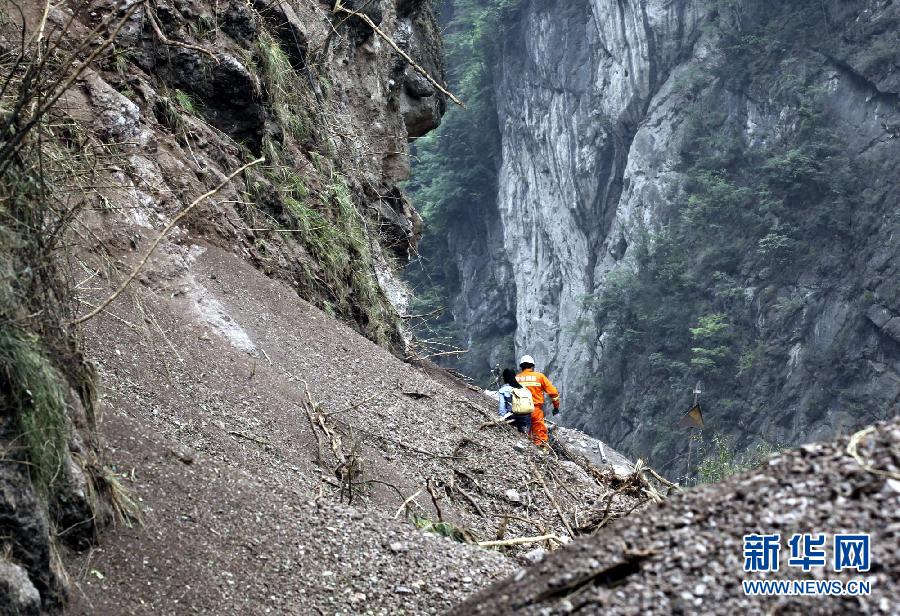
18,596
593,99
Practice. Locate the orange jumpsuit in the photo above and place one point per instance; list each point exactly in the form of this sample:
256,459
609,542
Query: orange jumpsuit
537,383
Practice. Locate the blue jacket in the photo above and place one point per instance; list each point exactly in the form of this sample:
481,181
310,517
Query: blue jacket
504,400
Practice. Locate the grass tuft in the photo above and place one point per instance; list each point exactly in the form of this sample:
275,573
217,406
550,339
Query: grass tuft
187,102
106,484
281,81
37,402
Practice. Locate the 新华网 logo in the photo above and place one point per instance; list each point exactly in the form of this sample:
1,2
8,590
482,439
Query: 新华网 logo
849,552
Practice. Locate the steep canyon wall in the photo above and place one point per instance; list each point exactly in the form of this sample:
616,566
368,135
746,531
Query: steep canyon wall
696,191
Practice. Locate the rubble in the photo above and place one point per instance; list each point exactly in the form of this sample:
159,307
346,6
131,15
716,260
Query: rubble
686,556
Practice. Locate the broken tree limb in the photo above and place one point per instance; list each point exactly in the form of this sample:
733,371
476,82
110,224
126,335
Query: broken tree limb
407,502
520,540
853,450
159,238
552,498
339,8
663,480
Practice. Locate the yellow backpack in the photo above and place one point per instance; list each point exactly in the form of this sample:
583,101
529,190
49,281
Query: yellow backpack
522,402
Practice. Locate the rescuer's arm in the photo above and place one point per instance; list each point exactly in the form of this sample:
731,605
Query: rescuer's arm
552,392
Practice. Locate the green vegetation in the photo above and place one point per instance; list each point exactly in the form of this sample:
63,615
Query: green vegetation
720,460
41,167
187,102
333,234
31,332
714,332
35,395
303,200
281,84
444,529
712,294
168,113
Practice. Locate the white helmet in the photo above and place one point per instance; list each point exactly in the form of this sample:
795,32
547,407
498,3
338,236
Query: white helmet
526,359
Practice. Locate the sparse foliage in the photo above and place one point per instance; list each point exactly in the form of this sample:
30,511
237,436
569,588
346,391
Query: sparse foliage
720,460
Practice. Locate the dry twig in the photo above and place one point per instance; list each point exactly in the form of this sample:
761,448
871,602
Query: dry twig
159,238
853,450
151,17
520,540
407,502
339,8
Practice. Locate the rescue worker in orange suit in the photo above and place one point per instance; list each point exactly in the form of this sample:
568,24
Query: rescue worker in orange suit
538,384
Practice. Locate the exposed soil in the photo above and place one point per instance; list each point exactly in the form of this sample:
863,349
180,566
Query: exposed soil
204,367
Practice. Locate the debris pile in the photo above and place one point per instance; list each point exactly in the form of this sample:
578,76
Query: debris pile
256,460
687,555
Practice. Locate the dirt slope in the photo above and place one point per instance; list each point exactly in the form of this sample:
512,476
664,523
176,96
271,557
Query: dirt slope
203,366
685,557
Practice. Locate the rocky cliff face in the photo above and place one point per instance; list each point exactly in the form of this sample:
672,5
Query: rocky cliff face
574,90
159,104
605,110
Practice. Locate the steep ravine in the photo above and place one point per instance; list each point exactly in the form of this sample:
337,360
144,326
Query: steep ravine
616,120
158,104
203,407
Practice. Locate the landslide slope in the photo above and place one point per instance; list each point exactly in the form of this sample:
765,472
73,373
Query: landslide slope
686,557
245,328
206,414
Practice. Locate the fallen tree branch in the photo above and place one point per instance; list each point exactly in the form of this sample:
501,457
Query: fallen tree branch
663,480
151,17
520,540
853,450
113,315
338,8
159,238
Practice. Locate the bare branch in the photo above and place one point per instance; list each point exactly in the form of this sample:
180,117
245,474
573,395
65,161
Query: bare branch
339,8
159,238
151,17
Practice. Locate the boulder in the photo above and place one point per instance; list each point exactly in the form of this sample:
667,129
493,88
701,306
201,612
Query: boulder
18,596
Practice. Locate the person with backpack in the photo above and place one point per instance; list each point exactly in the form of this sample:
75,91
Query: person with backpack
515,401
538,384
